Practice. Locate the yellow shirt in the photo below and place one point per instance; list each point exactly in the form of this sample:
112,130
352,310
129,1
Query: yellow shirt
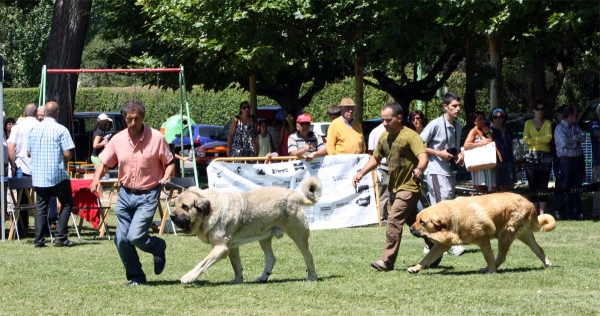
537,140
341,139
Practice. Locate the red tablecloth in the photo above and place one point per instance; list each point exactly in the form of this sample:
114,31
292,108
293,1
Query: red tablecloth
85,203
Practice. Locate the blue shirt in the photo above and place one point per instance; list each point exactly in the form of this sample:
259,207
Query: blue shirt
46,144
594,130
439,134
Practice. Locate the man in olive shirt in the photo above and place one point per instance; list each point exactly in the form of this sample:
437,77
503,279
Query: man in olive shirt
406,158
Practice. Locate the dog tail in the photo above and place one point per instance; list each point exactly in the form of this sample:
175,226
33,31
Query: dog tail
546,223
311,191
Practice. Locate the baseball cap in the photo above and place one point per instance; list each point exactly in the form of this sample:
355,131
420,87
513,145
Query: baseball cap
103,117
304,118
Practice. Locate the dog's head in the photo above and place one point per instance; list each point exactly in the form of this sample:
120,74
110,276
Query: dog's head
428,223
191,207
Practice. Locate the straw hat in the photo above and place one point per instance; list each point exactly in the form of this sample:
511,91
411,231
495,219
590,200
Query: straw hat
347,102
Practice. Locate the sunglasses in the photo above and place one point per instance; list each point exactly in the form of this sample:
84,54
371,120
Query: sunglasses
304,124
498,117
540,109
245,108
416,118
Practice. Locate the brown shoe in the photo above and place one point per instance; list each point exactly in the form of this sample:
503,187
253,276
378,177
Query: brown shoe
379,265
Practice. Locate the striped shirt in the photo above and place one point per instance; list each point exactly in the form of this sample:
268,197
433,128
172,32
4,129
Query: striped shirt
296,142
47,142
568,140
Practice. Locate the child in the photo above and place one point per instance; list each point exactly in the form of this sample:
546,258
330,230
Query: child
263,143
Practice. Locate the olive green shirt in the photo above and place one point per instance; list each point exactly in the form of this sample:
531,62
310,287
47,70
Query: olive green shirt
401,150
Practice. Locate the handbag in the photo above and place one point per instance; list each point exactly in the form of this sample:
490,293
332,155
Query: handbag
480,158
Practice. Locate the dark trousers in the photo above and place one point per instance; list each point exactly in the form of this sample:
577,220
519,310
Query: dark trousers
62,191
570,175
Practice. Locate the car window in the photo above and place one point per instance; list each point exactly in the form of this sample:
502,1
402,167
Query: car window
324,129
209,131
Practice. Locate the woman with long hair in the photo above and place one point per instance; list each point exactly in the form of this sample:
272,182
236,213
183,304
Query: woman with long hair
505,169
100,137
8,124
537,135
242,131
417,121
478,136
289,127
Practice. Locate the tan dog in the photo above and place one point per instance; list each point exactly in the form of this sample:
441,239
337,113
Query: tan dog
477,220
229,220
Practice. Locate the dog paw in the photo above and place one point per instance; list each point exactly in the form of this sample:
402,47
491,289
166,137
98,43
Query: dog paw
548,266
486,271
413,270
236,281
262,279
188,278
311,278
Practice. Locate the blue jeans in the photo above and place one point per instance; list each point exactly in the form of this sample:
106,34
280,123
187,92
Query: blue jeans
135,213
570,175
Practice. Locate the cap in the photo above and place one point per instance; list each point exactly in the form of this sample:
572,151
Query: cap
304,118
103,117
347,102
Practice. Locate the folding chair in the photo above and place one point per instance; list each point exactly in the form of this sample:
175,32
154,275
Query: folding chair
87,206
176,185
20,186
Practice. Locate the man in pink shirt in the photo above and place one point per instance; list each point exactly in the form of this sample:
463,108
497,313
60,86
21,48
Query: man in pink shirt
145,163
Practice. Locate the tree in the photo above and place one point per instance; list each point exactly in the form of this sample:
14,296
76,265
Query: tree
64,50
25,27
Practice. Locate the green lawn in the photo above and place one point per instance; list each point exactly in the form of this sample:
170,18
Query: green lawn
87,279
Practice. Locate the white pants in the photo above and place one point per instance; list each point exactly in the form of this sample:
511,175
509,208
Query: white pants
440,187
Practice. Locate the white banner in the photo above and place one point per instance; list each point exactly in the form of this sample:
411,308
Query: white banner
341,205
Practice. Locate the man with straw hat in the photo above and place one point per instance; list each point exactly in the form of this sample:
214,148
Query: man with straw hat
345,135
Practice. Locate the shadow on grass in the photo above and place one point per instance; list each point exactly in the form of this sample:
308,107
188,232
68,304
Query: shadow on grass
449,271
204,283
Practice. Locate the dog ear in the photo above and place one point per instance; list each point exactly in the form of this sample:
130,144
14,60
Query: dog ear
439,224
202,204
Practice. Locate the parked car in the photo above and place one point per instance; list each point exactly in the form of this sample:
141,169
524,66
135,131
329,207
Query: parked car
201,134
218,147
320,129
83,129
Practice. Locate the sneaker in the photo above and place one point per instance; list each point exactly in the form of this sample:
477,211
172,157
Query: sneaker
134,283
456,250
379,265
426,251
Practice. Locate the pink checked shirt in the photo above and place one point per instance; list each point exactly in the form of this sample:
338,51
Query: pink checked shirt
141,165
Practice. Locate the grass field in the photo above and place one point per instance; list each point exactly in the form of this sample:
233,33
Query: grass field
87,279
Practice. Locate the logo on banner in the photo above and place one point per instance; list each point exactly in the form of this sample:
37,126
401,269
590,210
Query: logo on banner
339,178
333,163
356,161
339,205
298,166
220,185
260,172
325,208
298,180
279,171
315,165
365,201
239,170
239,184
219,174
284,184
362,188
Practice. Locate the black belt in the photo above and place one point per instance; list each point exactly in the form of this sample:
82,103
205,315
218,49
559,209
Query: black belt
137,192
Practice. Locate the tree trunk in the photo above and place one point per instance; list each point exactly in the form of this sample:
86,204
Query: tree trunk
496,65
469,100
359,86
65,46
